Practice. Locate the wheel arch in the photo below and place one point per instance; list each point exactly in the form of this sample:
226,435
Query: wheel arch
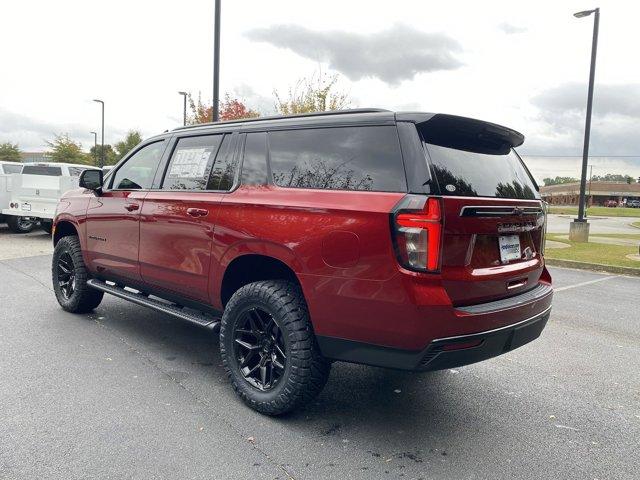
253,267
64,228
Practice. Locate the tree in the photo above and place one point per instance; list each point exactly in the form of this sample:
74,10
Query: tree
110,157
231,108
234,109
613,177
63,149
317,93
9,152
132,139
200,112
559,180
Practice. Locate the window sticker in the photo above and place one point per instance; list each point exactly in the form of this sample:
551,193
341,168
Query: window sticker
190,162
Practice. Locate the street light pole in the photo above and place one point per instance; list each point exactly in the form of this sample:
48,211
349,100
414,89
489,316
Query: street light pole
95,147
579,230
216,64
101,162
184,107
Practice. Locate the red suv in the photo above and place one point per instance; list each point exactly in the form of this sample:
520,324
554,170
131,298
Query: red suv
403,240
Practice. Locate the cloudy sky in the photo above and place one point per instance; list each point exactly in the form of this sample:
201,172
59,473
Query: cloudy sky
522,64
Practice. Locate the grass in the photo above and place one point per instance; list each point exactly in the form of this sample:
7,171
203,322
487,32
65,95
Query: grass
634,236
636,224
597,211
599,253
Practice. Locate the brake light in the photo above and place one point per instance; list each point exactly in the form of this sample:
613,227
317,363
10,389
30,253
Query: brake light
417,225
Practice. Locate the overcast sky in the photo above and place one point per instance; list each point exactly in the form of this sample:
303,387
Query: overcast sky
521,64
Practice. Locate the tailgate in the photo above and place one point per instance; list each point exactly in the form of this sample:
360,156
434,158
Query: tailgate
492,248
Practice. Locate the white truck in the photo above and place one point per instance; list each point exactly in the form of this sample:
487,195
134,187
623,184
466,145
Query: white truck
36,190
15,223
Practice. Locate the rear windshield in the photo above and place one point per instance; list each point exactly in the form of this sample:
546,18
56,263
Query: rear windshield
471,174
11,168
42,170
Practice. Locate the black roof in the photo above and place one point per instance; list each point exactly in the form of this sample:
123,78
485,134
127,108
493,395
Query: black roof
284,117
436,122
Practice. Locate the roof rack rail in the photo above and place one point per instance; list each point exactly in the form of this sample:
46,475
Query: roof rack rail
278,117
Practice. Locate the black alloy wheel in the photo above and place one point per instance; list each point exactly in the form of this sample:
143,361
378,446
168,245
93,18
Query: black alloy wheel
66,275
259,348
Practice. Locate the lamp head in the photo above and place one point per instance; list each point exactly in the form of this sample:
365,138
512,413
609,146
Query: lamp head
584,13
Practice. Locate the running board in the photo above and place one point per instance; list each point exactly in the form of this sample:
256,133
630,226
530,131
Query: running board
193,316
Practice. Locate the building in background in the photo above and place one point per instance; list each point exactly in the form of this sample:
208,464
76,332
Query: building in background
31,157
598,193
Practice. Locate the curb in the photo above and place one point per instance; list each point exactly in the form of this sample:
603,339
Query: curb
593,266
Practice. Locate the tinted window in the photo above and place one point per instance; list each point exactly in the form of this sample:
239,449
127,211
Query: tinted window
224,168
191,163
254,165
345,158
11,168
466,173
138,171
42,170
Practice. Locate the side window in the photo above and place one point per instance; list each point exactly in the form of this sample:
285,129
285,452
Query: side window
254,165
339,158
224,169
138,171
12,168
76,171
191,162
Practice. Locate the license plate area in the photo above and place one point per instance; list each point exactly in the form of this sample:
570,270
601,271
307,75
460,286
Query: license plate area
26,207
509,246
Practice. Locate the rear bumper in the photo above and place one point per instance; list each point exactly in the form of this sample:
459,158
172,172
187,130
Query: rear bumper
441,353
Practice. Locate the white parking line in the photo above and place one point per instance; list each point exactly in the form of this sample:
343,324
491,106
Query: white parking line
582,284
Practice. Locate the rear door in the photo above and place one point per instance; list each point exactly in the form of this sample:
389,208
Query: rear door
179,217
493,217
113,216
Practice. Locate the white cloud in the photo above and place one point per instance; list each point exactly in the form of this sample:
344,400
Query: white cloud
392,55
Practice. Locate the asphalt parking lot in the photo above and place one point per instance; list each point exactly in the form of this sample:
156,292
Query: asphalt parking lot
129,393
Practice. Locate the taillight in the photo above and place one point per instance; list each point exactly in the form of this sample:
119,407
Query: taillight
417,229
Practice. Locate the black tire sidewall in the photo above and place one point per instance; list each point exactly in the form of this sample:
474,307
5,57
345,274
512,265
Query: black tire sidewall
239,307
84,298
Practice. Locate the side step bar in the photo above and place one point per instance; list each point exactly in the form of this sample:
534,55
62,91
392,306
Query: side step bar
190,316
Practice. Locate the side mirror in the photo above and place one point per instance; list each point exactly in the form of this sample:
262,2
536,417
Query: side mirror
91,179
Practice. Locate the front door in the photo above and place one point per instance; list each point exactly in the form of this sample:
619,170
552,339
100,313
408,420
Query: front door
113,216
178,219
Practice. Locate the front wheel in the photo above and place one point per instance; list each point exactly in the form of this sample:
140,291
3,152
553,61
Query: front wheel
70,275
20,224
268,347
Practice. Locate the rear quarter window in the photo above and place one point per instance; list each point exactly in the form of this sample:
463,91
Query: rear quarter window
364,158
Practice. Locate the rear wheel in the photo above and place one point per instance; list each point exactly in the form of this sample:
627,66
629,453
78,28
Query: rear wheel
268,348
70,275
20,224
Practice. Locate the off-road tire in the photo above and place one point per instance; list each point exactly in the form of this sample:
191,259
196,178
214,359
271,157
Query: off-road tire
83,299
16,226
306,370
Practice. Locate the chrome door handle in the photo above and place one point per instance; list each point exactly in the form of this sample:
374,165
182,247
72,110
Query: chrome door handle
132,206
197,212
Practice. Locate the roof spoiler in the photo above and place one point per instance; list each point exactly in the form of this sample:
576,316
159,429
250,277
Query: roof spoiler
467,134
